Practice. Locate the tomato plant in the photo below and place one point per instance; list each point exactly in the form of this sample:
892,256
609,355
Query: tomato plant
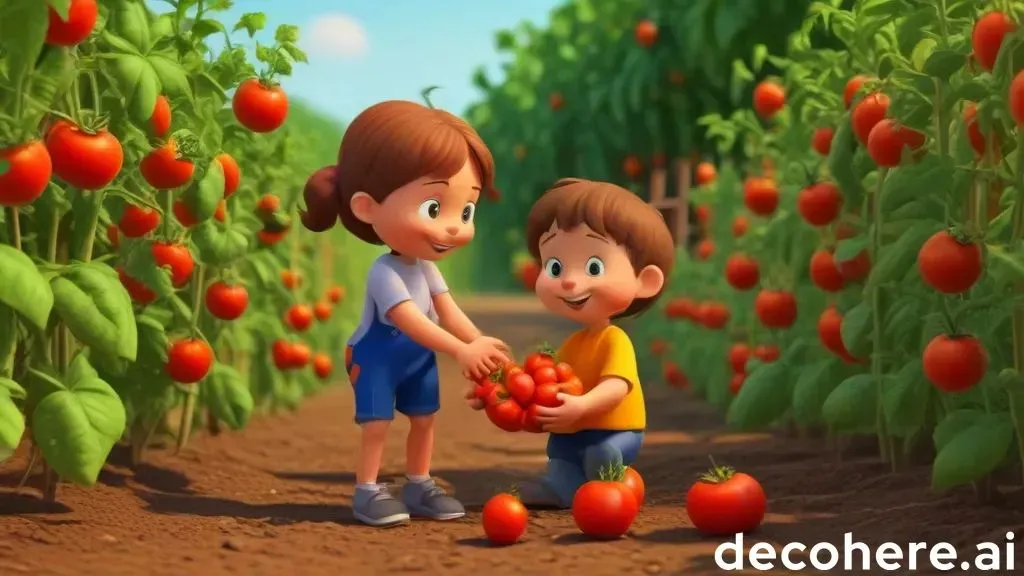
121,313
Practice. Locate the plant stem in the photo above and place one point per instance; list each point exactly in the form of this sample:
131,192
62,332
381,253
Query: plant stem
197,294
885,445
187,412
1018,312
15,218
94,223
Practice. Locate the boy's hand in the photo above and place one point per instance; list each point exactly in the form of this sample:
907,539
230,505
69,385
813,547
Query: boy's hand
572,409
471,400
482,356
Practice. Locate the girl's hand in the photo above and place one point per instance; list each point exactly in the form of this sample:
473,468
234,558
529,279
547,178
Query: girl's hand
564,415
471,400
482,356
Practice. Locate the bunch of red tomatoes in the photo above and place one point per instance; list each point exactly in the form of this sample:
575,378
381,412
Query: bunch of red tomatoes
512,395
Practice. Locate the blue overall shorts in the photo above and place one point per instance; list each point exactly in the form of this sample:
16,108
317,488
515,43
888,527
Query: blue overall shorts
389,372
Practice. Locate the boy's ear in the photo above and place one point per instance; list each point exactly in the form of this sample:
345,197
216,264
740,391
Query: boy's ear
651,280
362,205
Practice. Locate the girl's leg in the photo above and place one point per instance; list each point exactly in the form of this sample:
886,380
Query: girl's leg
372,503
420,494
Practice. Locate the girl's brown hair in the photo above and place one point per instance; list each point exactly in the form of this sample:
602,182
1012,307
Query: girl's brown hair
387,146
612,212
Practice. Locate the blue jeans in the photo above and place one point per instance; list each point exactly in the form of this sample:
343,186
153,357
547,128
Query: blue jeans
574,459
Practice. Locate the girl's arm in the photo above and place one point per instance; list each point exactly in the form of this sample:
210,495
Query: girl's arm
454,319
408,318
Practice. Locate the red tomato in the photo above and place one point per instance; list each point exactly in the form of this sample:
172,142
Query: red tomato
300,355
635,483
546,395
82,15
336,294
674,376
189,360
819,203
948,264
714,315
504,519
706,173
232,173
528,274
521,388
679,308
769,98
659,347
536,361
290,279
556,101
857,268
27,172
633,167
724,502
164,169
761,196
138,291
703,214
955,363
742,272
987,37
604,509
740,225
184,215
572,387
821,140
705,249
825,273
530,423
113,236
83,160
177,258
137,221
258,107
766,353
563,371
887,141
868,112
775,308
830,332
1016,98
980,142
853,86
225,301
299,317
738,356
268,204
736,382
282,354
323,366
503,411
646,33
322,310
160,121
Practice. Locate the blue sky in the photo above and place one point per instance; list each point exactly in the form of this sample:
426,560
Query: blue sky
409,45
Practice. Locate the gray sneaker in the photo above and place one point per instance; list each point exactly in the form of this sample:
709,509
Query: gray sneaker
537,494
378,508
428,500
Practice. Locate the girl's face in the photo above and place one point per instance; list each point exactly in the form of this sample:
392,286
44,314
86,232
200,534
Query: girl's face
426,218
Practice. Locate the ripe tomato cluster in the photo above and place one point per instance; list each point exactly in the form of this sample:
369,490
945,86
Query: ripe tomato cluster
512,395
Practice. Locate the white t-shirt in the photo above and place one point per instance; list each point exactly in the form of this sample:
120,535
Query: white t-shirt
391,282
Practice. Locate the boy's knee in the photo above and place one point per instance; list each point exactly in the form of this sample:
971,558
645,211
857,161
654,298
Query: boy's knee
599,457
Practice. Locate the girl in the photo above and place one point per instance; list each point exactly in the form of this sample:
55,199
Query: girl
408,177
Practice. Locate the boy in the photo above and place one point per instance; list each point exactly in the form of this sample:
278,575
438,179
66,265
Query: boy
604,254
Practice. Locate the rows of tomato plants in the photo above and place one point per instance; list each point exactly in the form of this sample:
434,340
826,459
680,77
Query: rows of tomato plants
862,274
148,258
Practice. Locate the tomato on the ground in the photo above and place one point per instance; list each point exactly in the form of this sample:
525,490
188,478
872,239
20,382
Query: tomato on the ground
632,479
605,509
724,502
504,519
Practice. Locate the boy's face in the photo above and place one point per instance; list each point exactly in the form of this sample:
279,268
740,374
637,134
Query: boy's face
586,277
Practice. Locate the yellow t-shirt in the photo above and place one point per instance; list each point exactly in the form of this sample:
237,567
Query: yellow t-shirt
599,354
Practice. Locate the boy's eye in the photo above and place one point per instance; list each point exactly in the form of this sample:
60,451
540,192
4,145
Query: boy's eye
553,268
430,210
595,266
468,211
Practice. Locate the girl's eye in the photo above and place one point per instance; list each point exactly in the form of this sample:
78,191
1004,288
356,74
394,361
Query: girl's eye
468,211
595,266
553,268
430,209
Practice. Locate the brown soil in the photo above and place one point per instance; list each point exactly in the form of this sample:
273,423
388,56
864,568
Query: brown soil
273,499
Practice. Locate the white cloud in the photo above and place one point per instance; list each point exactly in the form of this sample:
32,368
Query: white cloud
336,35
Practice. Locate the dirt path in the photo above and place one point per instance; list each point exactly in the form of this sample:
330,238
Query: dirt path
274,498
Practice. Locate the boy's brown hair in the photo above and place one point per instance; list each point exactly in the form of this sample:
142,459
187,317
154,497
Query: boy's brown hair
610,211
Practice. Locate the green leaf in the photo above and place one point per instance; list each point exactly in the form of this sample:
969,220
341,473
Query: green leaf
852,405
218,245
53,77
251,22
76,428
763,398
205,193
227,396
850,248
856,328
953,424
974,452
97,309
907,183
944,63
172,76
24,289
286,34
129,20
900,257
905,398
138,83
841,164
61,7
8,339
140,264
812,387
12,421
22,33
